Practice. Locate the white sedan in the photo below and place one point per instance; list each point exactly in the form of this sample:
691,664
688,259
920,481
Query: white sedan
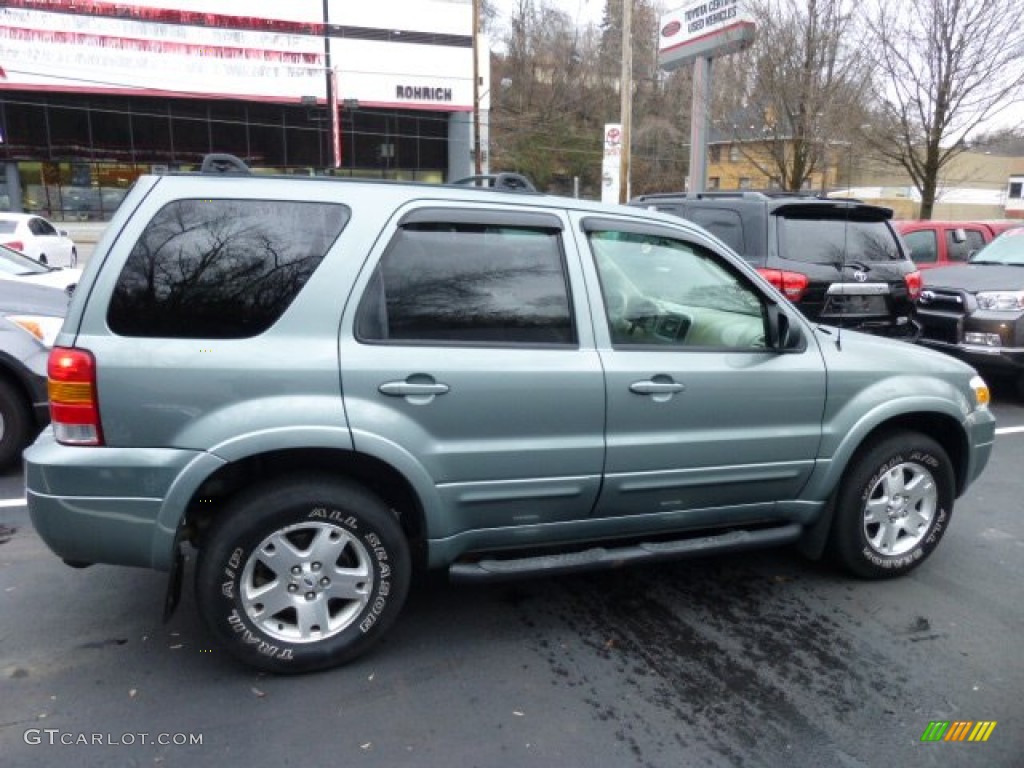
38,239
16,266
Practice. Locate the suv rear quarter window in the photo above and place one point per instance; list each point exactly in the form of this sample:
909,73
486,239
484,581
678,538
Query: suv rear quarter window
221,269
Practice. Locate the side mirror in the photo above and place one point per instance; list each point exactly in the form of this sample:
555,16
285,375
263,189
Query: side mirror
62,232
783,335
959,235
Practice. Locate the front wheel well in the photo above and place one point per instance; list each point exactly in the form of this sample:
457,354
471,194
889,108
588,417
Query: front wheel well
385,481
944,430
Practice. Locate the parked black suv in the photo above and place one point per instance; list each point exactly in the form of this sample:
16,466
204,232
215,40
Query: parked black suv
840,261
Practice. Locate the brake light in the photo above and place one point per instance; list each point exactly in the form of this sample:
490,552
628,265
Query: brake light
914,284
792,284
74,407
16,245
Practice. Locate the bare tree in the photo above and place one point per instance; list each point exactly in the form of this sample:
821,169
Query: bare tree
947,66
796,91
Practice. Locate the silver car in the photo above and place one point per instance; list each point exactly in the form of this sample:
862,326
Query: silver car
327,386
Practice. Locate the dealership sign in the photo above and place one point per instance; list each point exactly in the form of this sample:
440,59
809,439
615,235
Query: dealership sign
703,28
264,50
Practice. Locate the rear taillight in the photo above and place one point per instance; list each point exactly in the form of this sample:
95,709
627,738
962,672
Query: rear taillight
914,283
16,245
74,408
792,284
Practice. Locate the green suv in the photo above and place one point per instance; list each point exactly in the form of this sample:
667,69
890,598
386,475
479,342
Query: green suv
324,387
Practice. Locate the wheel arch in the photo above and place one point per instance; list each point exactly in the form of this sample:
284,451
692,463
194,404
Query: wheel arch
943,428
210,498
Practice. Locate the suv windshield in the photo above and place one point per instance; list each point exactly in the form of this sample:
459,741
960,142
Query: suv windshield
832,240
1006,249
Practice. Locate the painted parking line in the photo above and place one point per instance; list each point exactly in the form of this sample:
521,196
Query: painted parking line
1009,430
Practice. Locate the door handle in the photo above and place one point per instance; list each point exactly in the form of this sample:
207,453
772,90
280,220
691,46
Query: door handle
412,389
651,387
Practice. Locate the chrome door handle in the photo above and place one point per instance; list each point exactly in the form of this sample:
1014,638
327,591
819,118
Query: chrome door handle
412,389
656,387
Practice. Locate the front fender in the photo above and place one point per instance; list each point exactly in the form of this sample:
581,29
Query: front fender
850,420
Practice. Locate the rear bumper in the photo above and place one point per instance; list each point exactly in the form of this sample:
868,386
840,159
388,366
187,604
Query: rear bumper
120,506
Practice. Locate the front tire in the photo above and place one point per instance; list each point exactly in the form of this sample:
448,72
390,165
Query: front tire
893,506
302,574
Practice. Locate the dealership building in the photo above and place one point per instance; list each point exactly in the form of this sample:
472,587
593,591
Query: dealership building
95,93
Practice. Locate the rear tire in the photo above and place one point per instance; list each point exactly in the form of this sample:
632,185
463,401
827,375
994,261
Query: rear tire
893,505
302,573
16,423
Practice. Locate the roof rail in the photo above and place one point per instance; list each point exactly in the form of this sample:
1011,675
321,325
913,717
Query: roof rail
223,164
505,182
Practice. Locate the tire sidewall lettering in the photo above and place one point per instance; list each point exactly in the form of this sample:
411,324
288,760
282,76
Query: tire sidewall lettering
249,635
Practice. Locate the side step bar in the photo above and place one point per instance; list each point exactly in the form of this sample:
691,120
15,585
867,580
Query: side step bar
491,570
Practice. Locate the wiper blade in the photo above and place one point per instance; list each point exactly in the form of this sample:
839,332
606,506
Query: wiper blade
988,261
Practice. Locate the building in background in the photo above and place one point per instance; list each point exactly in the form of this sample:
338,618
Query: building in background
93,94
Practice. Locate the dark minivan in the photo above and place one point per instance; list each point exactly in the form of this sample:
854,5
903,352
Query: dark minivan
839,261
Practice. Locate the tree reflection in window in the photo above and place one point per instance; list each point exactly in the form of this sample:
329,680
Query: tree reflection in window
221,269
469,283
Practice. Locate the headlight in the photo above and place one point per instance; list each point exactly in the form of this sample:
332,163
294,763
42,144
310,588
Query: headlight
1001,301
982,397
44,327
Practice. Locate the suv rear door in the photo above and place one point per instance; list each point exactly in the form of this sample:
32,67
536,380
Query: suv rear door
467,359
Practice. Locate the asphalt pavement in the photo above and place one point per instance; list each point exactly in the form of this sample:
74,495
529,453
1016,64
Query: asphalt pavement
749,660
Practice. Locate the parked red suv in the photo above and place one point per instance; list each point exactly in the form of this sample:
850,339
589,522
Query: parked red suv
941,243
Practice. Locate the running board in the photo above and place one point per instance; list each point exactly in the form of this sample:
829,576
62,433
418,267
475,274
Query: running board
613,557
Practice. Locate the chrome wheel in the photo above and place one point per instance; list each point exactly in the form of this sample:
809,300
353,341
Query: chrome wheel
306,582
900,508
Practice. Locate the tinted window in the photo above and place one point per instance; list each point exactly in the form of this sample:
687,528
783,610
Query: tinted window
221,269
469,283
724,224
8,227
831,240
659,290
961,251
923,246
42,228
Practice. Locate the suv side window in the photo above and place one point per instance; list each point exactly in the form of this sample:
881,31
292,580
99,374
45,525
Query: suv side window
660,290
724,224
221,269
923,246
466,282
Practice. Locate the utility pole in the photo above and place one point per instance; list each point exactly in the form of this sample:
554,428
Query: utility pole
626,93
477,165
333,136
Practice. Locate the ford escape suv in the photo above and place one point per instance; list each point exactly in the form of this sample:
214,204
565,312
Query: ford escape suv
323,387
840,261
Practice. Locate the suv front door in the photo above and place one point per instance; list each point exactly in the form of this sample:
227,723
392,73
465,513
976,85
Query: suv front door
704,420
467,352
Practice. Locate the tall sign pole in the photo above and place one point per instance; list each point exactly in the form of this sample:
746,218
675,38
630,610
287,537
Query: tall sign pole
333,148
699,124
477,164
626,94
